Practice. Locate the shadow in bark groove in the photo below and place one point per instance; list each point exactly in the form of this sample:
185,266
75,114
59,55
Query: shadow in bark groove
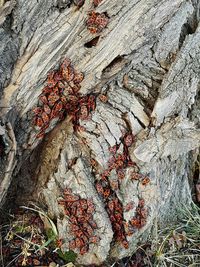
92,42
23,183
187,29
114,67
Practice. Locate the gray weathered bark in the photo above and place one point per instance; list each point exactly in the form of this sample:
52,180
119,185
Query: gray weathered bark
147,62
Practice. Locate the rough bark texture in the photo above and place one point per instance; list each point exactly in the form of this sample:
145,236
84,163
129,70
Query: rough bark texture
147,62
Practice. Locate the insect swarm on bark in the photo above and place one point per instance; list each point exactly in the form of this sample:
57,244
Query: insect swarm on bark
82,225
60,97
96,22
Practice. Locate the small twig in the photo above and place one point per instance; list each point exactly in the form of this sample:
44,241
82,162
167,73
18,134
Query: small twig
175,262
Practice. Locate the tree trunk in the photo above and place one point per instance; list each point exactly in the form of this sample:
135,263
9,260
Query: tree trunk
143,71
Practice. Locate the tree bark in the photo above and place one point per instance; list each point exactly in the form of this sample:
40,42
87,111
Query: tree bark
147,63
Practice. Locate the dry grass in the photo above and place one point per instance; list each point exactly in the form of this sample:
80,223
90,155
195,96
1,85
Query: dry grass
179,244
172,246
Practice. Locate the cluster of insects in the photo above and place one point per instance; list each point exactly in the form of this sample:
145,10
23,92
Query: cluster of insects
96,22
79,107
82,225
139,220
107,190
61,97
119,161
114,209
144,180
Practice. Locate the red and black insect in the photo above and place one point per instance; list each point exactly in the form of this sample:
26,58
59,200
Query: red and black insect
78,77
101,21
145,180
111,205
128,139
84,249
135,176
103,98
94,239
114,184
120,174
125,244
43,99
107,193
129,206
99,188
59,243
37,111
83,112
113,149
71,198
